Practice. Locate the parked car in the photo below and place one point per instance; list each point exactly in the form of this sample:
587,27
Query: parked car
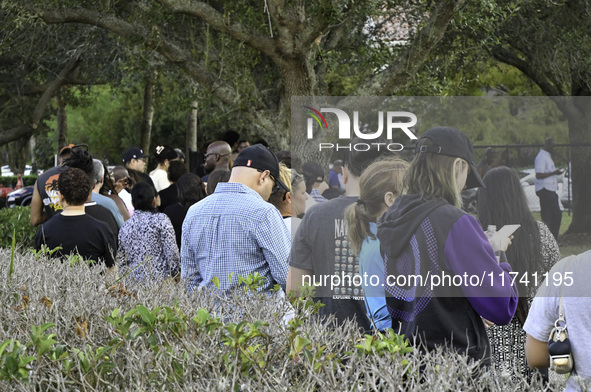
6,172
20,197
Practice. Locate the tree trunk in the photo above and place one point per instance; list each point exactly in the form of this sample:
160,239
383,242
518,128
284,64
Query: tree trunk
148,115
191,142
62,121
297,79
579,124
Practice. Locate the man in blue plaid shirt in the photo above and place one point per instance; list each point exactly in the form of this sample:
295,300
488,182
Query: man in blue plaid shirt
235,231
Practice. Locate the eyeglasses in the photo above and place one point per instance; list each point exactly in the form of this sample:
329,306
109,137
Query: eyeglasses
276,185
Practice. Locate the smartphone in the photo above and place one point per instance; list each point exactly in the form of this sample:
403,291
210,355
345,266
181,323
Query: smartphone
505,232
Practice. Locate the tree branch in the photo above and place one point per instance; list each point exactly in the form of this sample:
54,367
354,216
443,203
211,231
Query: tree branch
510,57
397,74
15,133
217,21
171,51
51,89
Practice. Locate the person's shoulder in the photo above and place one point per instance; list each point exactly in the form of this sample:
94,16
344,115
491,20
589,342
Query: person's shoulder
338,203
92,221
55,221
160,217
452,212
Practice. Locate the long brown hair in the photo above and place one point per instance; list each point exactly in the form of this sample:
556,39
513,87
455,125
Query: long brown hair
379,178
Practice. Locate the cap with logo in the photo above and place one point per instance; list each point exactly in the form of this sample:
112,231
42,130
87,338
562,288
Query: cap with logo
454,143
261,158
163,152
133,153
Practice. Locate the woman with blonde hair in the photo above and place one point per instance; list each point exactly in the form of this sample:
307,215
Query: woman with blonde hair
379,185
283,200
442,277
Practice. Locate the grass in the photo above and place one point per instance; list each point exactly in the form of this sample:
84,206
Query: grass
566,249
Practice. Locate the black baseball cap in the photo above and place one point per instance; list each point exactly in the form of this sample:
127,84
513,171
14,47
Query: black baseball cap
312,170
163,152
133,153
261,158
454,143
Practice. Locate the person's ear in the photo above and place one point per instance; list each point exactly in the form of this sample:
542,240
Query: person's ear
345,174
62,199
262,176
288,197
389,198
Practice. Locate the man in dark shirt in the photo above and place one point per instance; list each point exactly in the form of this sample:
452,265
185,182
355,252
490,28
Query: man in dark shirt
73,230
135,163
45,203
321,247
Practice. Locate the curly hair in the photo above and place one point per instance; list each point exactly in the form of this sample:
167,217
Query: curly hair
73,184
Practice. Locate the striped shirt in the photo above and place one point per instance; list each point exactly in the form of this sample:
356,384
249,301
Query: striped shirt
233,231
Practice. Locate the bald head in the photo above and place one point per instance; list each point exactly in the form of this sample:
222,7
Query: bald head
218,156
119,172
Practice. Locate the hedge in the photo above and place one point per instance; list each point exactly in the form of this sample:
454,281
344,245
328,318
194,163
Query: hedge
16,220
68,327
10,181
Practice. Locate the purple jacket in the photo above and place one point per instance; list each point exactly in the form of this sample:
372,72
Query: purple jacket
443,276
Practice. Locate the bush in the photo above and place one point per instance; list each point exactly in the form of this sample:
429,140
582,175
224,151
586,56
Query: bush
69,327
10,181
17,218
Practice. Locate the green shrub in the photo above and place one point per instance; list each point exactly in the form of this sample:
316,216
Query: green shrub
17,218
72,328
11,180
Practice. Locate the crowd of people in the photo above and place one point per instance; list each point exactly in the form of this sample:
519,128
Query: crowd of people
377,239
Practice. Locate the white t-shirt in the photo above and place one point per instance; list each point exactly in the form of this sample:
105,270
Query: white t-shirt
126,197
292,224
576,304
160,179
545,164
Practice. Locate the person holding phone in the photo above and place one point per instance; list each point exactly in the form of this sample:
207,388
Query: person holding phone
425,236
533,250
546,184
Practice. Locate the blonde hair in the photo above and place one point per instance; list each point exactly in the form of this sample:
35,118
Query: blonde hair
433,176
379,178
285,176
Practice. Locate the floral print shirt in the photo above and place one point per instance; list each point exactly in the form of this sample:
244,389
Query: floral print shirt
147,247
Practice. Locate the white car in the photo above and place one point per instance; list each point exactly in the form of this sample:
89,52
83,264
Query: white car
6,172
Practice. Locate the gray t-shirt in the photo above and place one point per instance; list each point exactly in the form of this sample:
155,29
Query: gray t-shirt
576,303
321,245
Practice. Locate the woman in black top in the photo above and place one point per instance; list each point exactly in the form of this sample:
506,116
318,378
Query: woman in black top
191,190
73,230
